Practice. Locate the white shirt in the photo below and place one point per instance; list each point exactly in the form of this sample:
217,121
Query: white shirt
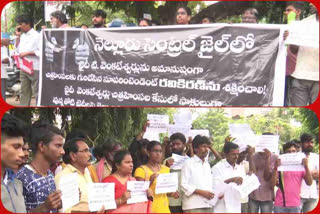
30,42
195,174
307,67
311,191
231,202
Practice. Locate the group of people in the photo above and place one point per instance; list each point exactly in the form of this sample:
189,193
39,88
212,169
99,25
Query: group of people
32,184
302,65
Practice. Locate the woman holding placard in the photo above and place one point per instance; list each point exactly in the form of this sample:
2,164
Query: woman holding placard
150,172
121,174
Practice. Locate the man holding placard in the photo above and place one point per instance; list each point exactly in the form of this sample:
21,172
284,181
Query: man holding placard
289,182
309,194
175,163
196,181
262,198
77,157
229,172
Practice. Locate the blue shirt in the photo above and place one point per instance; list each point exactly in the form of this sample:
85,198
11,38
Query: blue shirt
36,188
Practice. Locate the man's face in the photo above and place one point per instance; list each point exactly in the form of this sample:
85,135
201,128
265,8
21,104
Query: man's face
232,156
202,151
177,147
291,9
307,146
83,156
182,17
53,151
26,151
205,21
11,152
292,149
24,27
98,21
248,17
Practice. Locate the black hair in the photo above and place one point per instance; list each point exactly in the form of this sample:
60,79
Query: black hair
118,158
178,136
109,144
253,11
228,146
267,133
210,18
200,140
99,12
60,16
25,19
41,131
289,145
146,20
76,133
152,144
97,151
306,138
12,127
135,149
298,5
187,9
70,146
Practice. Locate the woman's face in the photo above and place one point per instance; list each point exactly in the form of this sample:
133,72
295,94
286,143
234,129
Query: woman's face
126,165
155,155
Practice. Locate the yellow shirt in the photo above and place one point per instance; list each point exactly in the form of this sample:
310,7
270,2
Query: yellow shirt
160,201
83,180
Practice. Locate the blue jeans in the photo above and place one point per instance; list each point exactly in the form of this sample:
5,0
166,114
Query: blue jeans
286,209
265,206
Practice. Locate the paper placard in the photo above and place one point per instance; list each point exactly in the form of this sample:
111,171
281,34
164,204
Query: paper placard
138,191
292,162
178,161
167,183
218,191
182,129
158,123
101,194
269,142
70,190
195,132
183,118
250,183
243,134
302,34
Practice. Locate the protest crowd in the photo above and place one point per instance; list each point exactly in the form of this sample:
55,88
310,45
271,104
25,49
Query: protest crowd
44,170
302,62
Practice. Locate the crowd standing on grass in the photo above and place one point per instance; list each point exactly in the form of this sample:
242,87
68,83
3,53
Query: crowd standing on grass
30,182
302,63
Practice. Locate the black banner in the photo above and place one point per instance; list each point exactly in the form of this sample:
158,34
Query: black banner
194,65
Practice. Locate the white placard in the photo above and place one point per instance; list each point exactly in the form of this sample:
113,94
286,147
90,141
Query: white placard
269,142
138,191
101,194
158,123
218,191
69,187
291,162
183,118
178,128
244,135
195,132
302,34
147,16
52,6
167,183
178,161
151,135
249,184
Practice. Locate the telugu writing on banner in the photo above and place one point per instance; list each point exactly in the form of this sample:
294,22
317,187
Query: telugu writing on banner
292,162
191,65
